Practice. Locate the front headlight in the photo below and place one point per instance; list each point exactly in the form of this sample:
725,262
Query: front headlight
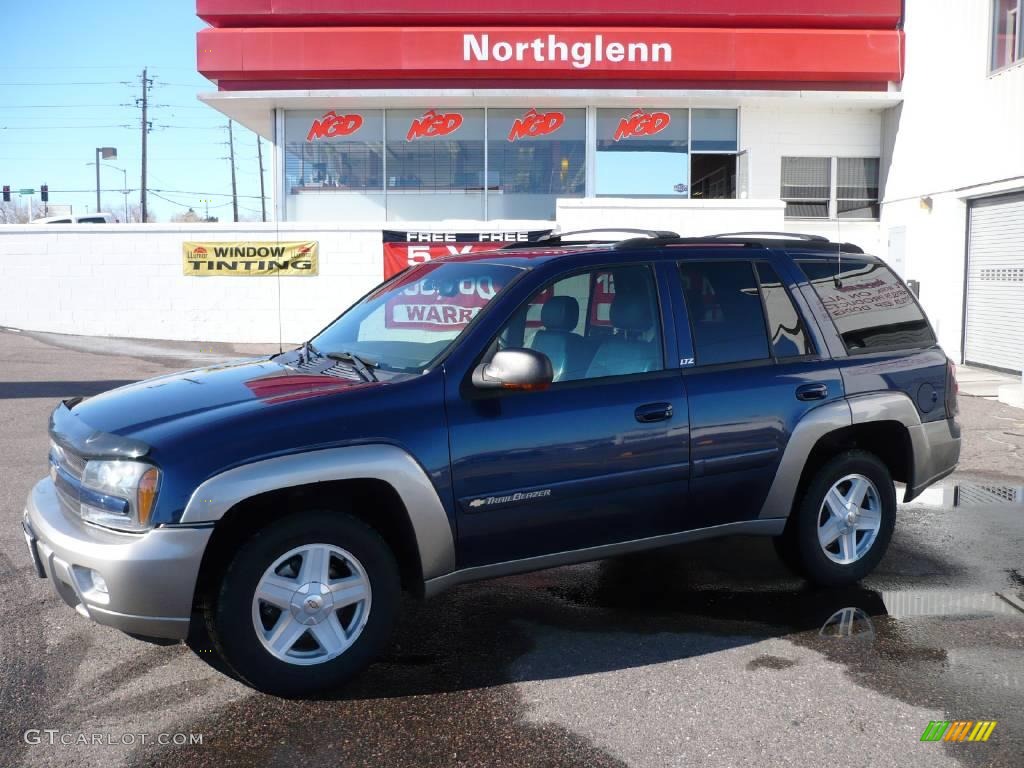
119,494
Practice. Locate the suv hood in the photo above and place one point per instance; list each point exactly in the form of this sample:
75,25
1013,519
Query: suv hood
243,385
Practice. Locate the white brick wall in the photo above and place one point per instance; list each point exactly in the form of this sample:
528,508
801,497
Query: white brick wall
770,131
126,280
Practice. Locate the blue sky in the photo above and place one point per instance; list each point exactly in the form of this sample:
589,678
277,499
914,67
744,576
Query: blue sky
68,84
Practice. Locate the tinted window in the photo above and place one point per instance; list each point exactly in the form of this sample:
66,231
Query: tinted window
870,306
592,325
785,328
725,312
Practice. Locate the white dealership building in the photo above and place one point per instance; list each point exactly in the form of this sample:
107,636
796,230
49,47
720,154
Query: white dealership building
896,126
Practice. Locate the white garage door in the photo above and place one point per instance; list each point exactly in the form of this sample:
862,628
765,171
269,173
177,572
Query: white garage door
995,283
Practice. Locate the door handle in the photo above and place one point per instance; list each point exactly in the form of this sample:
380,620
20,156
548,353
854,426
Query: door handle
812,392
647,414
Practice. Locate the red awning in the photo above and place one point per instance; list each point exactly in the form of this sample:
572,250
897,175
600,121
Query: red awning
786,14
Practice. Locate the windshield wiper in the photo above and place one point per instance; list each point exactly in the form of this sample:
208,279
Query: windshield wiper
362,365
308,351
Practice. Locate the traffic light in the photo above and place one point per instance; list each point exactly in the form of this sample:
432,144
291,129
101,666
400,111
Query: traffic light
44,193
7,193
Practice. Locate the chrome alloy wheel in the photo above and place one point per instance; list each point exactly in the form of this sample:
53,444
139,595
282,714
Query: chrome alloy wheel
312,604
849,519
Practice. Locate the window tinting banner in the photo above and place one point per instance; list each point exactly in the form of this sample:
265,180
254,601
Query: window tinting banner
407,249
249,259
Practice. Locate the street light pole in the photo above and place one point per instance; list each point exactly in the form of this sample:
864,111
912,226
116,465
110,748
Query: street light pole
102,153
124,186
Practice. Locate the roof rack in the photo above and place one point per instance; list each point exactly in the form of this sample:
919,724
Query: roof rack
558,238
744,239
771,234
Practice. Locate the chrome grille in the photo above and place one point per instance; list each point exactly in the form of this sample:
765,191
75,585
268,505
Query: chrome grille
72,465
67,460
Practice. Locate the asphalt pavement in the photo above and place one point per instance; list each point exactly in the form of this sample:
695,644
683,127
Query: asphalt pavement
704,655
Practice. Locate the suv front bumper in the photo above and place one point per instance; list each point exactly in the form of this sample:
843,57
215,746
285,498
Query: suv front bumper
150,578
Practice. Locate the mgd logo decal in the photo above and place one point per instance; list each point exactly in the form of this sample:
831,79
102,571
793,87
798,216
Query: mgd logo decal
333,124
534,124
433,124
642,123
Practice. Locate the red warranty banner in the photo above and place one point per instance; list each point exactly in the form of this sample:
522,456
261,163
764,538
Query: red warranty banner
418,307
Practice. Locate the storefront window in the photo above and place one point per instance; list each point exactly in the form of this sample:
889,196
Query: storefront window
334,164
643,152
806,187
534,156
714,130
352,164
857,188
435,164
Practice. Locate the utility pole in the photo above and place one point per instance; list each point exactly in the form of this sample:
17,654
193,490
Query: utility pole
234,187
263,195
147,83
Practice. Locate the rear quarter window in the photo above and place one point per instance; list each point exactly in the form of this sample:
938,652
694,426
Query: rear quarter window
871,307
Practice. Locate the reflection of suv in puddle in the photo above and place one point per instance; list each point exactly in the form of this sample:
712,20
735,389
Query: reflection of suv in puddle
488,414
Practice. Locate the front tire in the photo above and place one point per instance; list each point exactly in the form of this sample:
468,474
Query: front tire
306,604
844,521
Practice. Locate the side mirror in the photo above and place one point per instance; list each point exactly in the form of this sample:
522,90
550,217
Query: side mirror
514,369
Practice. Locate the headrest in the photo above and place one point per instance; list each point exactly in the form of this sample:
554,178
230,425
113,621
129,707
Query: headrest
560,313
631,313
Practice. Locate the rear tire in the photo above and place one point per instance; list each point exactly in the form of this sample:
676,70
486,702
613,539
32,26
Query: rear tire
843,522
306,604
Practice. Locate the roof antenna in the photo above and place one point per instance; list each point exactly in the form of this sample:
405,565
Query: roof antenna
839,249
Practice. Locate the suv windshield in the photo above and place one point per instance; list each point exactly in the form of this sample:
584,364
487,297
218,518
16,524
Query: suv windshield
407,323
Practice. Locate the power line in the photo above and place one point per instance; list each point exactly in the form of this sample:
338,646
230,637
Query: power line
92,82
64,106
62,127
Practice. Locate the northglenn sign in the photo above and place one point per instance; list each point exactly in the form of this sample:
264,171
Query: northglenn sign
580,54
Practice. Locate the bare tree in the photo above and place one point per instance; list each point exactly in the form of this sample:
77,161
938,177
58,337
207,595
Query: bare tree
135,214
188,217
14,213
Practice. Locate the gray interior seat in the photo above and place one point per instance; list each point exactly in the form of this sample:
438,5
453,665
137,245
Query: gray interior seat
559,316
627,351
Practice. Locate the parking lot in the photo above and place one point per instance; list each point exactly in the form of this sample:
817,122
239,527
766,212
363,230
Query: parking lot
709,654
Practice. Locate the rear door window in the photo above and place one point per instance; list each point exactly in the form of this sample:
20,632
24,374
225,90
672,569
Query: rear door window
725,311
871,307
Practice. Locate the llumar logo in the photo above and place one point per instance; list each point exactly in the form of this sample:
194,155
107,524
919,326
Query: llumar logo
489,500
642,123
434,124
332,124
534,124
958,730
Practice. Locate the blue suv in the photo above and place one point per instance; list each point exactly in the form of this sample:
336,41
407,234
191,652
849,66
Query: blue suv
495,413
